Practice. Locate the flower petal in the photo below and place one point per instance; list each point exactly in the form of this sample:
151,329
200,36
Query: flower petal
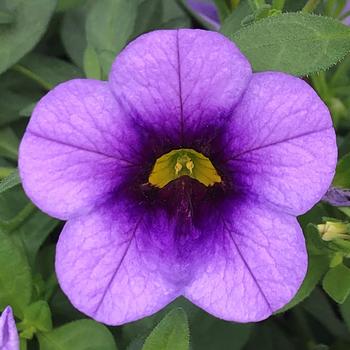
70,156
256,269
103,267
180,83
207,10
8,332
282,142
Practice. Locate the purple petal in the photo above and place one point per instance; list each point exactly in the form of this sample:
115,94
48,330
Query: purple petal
8,332
179,82
206,10
70,156
339,197
256,269
282,143
346,9
107,271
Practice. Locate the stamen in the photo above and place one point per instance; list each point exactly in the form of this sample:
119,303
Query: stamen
185,162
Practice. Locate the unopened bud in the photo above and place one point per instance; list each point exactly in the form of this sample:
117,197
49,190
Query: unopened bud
331,230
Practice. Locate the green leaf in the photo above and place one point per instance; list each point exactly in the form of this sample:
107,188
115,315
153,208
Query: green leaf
33,231
109,25
171,333
36,317
294,43
31,20
149,16
234,22
6,17
11,103
92,67
337,283
73,34
8,143
10,181
65,5
78,335
15,276
47,71
342,174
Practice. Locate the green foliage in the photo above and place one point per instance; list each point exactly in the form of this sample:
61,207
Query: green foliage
294,43
46,42
10,181
36,317
172,333
78,335
337,283
29,24
342,176
109,24
15,276
47,71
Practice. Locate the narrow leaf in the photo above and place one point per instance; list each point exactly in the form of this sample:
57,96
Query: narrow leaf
10,181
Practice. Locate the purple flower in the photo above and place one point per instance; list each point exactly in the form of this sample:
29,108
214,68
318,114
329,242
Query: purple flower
8,332
181,175
206,10
338,197
345,10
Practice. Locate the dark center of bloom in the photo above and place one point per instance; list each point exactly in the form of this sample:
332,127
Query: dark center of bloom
183,162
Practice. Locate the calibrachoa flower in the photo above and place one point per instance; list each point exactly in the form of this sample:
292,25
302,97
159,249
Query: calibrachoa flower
181,175
8,332
345,10
206,9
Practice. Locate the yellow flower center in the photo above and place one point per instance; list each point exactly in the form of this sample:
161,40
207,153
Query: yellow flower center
183,162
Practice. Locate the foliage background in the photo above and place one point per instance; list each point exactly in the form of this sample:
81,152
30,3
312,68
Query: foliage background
45,42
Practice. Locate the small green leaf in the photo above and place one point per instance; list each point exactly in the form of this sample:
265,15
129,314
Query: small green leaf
8,143
36,317
33,231
342,174
73,34
294,43
10,181
92,66
47,71
31,20
234,22
65,5
6,17
11,103
15,276
337,283
78,335
171,333
149,17
109,25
